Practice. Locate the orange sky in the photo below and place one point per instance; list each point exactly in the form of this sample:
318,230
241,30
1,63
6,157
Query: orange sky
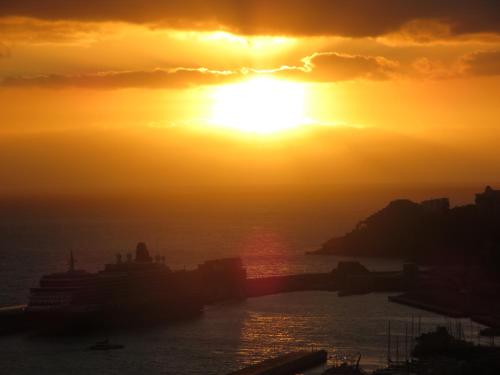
127,94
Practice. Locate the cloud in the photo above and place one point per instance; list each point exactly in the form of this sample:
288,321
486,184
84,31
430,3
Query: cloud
4,51
475,64
335,67
80,159
15,29
356,18
426,68
318,67
159,78
481,63
331,66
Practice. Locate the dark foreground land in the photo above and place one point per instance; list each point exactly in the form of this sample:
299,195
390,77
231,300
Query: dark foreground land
439,353
433,353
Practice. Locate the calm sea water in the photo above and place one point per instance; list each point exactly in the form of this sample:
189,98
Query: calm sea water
271,234
227,337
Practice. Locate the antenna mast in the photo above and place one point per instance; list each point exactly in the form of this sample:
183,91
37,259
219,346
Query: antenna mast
389,342
71,261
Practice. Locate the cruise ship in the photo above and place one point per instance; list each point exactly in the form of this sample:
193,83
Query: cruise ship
133,289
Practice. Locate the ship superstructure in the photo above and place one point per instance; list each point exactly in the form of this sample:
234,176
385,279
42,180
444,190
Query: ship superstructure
138,288
134,288
65,291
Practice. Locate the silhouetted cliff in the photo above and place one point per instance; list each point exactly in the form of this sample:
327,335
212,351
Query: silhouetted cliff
429,231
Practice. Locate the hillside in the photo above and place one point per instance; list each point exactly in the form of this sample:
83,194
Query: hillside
429,231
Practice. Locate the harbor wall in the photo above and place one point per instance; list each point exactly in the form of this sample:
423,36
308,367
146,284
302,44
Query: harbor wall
290,363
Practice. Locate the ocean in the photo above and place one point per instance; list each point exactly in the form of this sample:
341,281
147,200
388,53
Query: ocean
269,229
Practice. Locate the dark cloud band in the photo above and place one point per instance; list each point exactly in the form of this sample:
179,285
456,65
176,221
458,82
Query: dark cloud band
319,67
286,17
482,63
159,78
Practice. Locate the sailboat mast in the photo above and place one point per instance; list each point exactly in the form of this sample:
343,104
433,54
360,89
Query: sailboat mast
389,342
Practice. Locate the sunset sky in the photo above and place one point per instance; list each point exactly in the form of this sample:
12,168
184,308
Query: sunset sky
148,95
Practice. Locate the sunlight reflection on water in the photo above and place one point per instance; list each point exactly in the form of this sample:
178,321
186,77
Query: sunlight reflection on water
307,320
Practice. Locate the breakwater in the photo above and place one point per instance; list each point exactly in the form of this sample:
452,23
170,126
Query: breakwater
290,363
347,279
262,286
212,282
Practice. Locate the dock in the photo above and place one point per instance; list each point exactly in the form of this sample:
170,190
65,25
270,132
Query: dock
347,279
226,279
286,364
262,286
432,307
12,310
12,319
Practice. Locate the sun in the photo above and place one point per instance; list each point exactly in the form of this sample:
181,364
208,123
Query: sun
260,105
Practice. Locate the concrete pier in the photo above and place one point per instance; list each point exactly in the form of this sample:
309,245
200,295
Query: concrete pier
12,319
262,286
287,364
432,307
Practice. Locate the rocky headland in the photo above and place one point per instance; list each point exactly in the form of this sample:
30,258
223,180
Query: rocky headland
427,232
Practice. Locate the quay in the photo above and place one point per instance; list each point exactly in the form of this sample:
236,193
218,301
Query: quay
261,286
12,318
58,298
13,310
348,278
286,364
487,320
407,300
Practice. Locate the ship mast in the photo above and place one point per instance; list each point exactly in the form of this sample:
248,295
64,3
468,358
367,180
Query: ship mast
71,262
389,343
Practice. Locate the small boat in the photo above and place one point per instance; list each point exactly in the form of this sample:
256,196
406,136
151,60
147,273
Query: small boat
105,345
345,368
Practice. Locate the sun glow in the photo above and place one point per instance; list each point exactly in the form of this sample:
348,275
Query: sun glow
260,105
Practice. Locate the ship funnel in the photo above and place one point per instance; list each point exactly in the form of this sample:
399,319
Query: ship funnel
142,253
71,262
